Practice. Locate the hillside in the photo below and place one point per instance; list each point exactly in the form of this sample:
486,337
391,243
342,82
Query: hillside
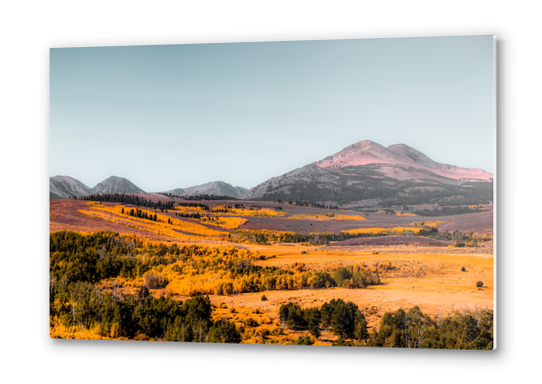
366,175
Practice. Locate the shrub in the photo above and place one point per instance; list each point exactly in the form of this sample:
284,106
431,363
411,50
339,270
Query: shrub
141,337
304,340
340,342
154,280
479,284
250,322
262,332
264,298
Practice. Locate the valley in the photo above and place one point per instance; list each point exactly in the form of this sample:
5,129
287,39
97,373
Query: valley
371,247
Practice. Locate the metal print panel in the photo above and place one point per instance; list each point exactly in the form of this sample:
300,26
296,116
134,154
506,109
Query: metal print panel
326,193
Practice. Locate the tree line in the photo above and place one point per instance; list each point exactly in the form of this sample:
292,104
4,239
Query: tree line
265,237
130,199
412,329
415,329
304,203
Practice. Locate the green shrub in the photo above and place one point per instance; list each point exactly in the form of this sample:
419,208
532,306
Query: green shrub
250,322
304,340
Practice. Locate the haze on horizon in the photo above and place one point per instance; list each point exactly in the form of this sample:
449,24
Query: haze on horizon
173,116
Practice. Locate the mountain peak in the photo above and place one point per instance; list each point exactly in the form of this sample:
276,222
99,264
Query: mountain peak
214,188
116,184
366,143
115,178
397,155
61,187
366,173
361,153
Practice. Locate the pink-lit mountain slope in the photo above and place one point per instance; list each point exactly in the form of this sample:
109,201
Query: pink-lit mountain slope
366,174
398,155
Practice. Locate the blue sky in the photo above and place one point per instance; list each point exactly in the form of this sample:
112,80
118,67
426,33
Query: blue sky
179,115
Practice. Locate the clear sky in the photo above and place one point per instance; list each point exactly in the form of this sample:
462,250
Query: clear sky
174,116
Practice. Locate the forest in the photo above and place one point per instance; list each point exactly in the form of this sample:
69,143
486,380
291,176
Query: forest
189,270
411,329
115,315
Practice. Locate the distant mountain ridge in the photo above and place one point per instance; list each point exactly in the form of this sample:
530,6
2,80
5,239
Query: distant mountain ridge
63,187
214,188
362,174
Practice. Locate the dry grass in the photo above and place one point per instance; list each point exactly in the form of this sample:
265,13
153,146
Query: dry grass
166,225
433,281
327,217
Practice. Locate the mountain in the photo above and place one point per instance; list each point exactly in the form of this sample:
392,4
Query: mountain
62,187
215,188
115,184
369,174
397,155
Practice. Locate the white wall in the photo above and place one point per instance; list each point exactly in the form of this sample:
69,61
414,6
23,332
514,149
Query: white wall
29,29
